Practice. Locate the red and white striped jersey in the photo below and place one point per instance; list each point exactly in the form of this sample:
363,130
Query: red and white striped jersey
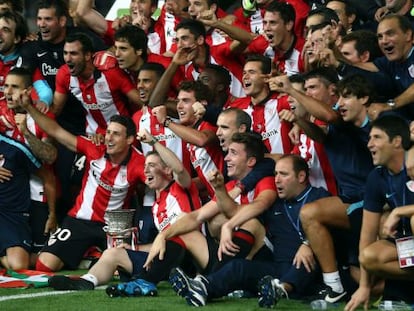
105,186
172,202
254,22
265,117
165,27
320,171
102,96
206,159
266,183
144,119
289,62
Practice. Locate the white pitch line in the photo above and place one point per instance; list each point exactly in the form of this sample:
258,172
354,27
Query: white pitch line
24,296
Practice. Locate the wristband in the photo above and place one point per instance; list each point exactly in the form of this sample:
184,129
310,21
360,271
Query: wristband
153,141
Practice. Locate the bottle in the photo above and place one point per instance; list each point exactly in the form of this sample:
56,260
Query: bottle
321,304
392,305
236,294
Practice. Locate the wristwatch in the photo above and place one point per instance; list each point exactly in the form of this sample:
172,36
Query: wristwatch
305,242
391,104
167,122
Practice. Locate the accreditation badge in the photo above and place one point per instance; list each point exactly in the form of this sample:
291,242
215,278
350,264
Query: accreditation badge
405,250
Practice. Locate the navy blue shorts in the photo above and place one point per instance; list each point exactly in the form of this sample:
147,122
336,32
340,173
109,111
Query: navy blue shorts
73,238
138,259
14,231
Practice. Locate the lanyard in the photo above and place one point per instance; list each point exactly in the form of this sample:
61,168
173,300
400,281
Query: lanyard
296,224
394,194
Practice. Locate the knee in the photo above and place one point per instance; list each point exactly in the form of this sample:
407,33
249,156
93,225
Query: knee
308,213
17,264
368,258
16,258
111,254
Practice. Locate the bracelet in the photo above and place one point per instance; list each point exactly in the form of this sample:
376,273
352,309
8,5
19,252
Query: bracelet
167,122
153,141
305,242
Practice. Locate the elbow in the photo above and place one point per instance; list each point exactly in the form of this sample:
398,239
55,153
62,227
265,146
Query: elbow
53,157
201,141
331,117
81,11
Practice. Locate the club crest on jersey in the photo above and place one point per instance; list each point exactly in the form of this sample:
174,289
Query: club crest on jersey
100,86
411,70
410,185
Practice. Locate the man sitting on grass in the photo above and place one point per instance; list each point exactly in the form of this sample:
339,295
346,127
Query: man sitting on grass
175,194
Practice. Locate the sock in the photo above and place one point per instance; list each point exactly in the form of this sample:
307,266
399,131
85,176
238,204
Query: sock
40,266
90,278
244,240
333,280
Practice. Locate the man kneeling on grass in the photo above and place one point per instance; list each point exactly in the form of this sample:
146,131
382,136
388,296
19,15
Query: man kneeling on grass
175,194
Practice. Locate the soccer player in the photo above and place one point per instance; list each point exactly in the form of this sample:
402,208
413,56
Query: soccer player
279,41
193,54
202,142
46,55
264,106
113,171
101,93
320,171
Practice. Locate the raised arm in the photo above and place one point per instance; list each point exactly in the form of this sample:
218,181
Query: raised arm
241,38
316,108
225,202
190,135
59,101
51,127
90,17
181,175
312,130
159,95
249,211
42,149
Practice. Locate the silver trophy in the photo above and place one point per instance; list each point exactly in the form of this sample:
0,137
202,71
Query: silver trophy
119,228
